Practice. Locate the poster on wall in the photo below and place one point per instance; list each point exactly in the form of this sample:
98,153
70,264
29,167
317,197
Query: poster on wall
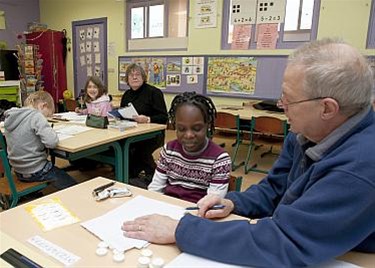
233,75
205,13
243,12
271,11
154,68
172,74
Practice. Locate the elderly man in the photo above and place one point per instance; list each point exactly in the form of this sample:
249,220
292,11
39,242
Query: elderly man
317,202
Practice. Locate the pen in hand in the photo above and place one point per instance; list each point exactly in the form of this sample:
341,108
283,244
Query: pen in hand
214,207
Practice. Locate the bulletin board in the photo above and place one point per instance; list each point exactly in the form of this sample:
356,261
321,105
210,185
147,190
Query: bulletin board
250,77
245,76
172,74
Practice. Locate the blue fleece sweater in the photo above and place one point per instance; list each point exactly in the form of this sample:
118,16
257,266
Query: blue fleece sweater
311,209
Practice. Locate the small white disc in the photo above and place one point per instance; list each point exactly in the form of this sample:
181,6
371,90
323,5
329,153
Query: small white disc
102,244
119,257
101,251
143,262
157,263
146,252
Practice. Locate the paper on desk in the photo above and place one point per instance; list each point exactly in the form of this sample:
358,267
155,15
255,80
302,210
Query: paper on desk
51,213
71,129
185,260
71,116
108,226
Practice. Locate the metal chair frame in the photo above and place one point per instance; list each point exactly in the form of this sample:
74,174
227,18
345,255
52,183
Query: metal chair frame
229,121
264,126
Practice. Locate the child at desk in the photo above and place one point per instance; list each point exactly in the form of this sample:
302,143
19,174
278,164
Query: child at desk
28,134
96,98
192,165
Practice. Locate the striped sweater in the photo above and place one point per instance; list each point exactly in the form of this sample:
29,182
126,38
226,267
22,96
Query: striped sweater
191,176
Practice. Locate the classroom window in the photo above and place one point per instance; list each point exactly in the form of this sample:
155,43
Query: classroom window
157,24
300,25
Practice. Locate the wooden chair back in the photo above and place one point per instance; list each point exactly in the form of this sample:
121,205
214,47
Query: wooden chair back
235,183
226,120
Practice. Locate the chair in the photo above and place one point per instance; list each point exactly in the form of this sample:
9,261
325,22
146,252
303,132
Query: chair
70,105
271,128
229,121
11,188
235,184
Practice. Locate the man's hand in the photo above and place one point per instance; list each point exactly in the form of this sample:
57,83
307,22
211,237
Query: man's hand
154,228
209,201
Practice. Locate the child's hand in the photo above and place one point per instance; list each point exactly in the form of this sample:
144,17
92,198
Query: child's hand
77,110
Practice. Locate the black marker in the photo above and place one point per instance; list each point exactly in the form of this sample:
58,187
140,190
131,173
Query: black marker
18,260
103,187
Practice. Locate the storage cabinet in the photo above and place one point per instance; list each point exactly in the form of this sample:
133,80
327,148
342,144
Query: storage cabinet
10,91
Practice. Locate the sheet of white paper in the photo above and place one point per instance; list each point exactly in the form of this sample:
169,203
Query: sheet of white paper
63,136
128,111
108,226
71,116
185,260
71,129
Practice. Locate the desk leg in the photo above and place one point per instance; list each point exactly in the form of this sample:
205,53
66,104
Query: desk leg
126,147
94,153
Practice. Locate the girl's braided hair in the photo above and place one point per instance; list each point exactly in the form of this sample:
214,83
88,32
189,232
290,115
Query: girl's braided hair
203,103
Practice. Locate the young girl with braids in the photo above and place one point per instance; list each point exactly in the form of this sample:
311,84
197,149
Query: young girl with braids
192,166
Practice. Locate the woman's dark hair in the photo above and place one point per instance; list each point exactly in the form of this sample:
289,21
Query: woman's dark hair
101,88
203,103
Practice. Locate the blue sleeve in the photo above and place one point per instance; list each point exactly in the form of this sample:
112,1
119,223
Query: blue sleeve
327,221
261,200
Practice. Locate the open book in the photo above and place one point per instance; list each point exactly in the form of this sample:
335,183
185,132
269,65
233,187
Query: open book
125,113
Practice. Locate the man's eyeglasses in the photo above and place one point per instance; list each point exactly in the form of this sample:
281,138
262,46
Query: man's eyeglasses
281,105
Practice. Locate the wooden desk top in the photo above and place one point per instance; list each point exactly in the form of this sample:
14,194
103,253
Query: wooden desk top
96,136
17,226
248,111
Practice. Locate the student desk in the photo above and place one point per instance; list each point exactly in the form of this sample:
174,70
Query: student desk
96,140
17,226
248,111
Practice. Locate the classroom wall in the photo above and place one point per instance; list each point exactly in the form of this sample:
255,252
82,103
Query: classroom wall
347,19
17,14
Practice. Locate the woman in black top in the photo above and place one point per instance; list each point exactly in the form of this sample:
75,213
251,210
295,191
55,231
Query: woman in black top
150,105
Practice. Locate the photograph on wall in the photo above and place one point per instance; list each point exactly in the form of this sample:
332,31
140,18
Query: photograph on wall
157,70
187,70
174,66
231,75
173,79
192,79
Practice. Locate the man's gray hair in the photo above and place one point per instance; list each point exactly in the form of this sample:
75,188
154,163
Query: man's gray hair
335,69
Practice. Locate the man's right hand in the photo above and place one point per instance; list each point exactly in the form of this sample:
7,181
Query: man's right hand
209,201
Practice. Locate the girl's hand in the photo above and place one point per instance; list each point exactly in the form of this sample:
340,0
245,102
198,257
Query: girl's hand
77,110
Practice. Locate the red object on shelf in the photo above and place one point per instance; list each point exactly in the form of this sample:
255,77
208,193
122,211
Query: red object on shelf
54,70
